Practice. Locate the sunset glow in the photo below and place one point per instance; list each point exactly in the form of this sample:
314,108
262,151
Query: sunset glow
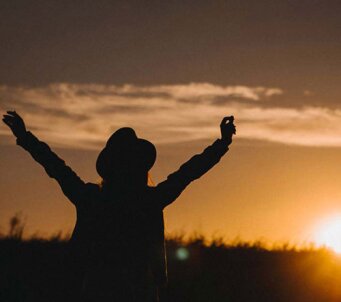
237,195
329,234
171,71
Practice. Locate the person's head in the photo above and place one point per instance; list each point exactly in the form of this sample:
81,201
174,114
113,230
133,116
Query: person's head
126,159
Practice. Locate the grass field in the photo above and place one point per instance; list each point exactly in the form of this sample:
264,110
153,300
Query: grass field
31,270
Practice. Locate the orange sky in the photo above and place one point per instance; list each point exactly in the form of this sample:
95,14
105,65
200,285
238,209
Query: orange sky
172,71
258,191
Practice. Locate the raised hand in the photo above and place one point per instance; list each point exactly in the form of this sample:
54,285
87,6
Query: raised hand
14,121
227,128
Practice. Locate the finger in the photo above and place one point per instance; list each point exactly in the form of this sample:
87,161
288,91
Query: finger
227,118
14,113
6,122
9,117
223,122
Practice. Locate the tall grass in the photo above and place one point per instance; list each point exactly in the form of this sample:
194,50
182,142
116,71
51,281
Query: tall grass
31,269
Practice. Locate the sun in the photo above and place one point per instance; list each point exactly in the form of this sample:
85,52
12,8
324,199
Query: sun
328,234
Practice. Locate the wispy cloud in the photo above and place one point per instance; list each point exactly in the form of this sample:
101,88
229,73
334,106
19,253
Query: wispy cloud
84,115
203,91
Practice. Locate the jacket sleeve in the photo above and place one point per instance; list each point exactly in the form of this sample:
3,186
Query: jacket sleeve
72,186
168,190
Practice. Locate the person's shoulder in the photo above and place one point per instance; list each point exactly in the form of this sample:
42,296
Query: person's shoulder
150,189
86,195
92,188
151,193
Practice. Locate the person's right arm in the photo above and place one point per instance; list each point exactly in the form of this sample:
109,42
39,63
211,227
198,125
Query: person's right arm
71,184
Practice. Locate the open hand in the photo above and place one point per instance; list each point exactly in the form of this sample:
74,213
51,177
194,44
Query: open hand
227,128
14,121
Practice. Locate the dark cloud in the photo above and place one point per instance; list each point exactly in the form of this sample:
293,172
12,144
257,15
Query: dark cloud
281,43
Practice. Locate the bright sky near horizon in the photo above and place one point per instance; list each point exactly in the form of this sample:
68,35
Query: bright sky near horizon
77,71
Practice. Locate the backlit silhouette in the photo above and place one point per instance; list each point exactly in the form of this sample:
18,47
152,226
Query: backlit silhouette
117,248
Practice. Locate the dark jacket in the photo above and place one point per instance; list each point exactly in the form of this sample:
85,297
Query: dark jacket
122,228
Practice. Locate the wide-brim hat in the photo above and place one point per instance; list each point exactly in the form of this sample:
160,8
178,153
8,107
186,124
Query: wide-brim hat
124,149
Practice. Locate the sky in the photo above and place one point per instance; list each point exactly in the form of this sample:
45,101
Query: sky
78,70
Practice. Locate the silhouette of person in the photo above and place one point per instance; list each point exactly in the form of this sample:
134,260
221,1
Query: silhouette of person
118,238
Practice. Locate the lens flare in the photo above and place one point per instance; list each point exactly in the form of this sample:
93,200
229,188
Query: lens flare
329,234
182,253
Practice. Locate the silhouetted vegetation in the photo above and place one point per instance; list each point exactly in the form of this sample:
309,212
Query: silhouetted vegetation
32,270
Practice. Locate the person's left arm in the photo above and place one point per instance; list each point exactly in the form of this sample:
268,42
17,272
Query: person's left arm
168,190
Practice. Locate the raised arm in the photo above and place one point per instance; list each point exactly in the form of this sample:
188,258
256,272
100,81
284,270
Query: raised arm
168,190
72,186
